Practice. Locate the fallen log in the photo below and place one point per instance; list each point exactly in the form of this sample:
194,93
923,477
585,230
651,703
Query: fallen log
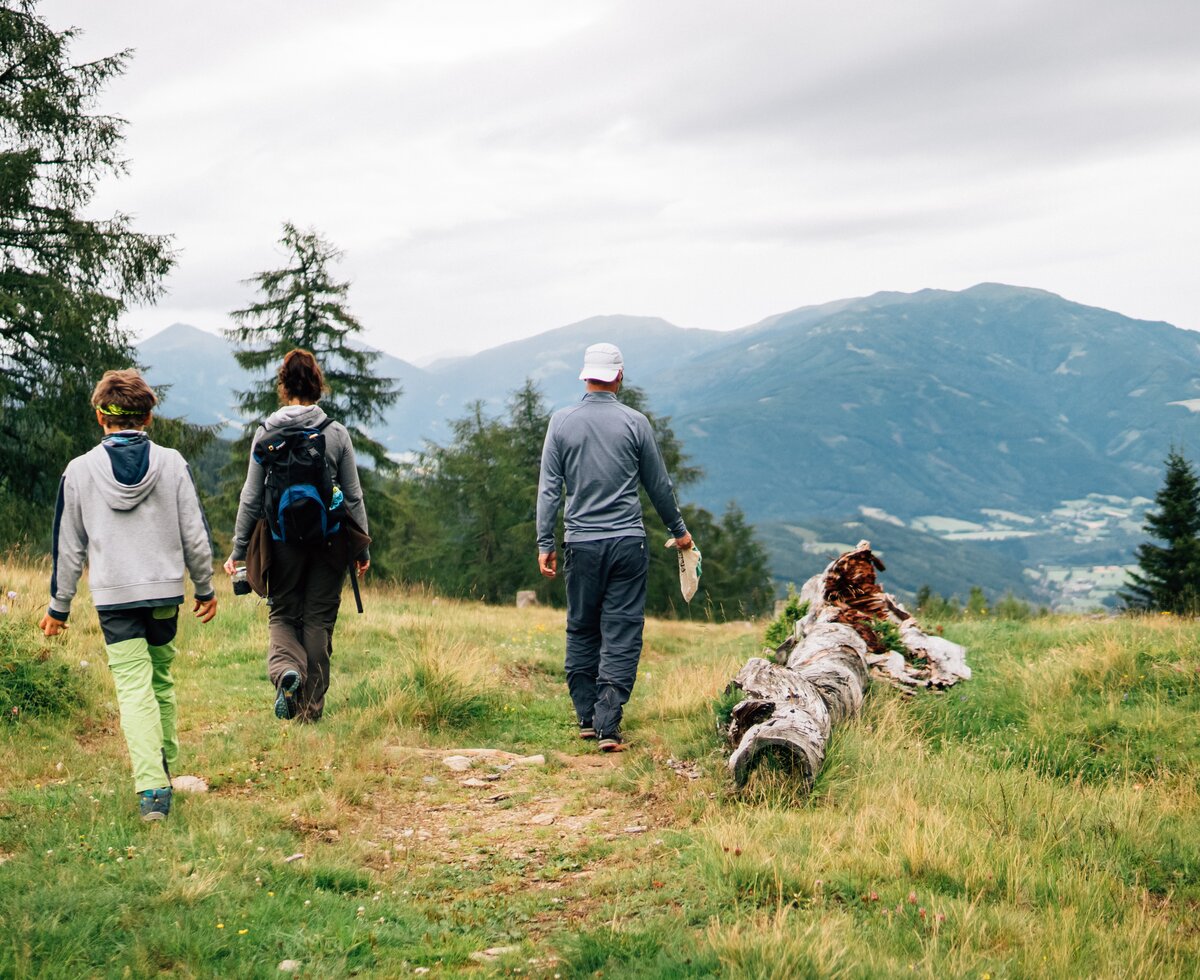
817,677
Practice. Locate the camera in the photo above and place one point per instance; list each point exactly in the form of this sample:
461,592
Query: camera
240,585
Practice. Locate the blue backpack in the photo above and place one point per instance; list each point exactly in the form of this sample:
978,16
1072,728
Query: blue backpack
300,501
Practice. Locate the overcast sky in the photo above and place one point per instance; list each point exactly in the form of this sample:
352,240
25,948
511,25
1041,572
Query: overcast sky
493,170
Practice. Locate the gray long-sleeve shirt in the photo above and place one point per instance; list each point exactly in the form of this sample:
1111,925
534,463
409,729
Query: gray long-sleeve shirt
130,509
597,452
339,456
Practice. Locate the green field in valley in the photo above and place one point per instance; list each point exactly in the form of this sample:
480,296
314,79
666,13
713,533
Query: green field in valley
1042,820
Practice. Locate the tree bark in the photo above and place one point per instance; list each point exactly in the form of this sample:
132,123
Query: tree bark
788,712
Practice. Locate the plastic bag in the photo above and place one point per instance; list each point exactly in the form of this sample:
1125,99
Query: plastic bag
689,569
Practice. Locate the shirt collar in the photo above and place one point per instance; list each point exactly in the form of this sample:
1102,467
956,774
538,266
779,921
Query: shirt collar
607,396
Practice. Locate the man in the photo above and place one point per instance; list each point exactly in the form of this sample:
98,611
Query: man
598,451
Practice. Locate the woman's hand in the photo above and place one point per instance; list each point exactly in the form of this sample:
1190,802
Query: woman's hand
229,565
361,566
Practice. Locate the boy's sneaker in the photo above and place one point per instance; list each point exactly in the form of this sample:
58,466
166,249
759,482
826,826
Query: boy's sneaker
155,804
586,730
285,696
611,743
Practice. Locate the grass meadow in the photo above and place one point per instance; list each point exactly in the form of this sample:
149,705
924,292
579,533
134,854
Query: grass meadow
1042,820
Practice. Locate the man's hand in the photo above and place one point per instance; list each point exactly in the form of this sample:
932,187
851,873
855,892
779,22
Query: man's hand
205,610
682,543
230,565
548,563
51,626
361,565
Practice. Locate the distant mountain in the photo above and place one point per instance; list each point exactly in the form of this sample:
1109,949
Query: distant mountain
937,403
1026,429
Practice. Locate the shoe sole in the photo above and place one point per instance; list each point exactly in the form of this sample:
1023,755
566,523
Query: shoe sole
607,745
587,733
285,700
153,817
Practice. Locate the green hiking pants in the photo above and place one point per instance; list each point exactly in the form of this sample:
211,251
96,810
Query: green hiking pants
141,647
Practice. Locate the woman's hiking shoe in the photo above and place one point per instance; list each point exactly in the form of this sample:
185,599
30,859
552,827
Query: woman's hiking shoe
155,804
285,695
586,731
612,743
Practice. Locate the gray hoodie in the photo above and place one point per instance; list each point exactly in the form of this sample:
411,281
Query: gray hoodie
339,457
131,509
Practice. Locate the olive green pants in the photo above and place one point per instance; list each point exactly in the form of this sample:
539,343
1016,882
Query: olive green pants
141,647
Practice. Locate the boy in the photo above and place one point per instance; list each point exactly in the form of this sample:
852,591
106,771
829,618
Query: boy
132,509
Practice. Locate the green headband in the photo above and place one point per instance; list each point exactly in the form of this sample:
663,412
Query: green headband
118,410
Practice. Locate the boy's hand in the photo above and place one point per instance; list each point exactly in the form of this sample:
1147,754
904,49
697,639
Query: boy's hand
51,626
548,563
361,565
229,565
205,610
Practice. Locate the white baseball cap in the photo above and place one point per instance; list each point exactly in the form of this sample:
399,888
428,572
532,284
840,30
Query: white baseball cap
602,362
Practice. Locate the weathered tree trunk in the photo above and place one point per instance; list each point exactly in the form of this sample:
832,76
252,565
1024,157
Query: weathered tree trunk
789,711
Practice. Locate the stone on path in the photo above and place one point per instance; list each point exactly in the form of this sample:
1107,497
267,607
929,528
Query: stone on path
459,763
473,782
542,820
189,784
491,955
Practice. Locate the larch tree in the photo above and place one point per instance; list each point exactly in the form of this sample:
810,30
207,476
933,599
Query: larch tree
1168,576
304,305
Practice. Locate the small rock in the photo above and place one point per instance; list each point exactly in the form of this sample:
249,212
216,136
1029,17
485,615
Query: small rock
542,820
472,782
491,777
459,763
189,784
530,760
293,857
495,799
636,829
421,969
429,780
493,954
289,966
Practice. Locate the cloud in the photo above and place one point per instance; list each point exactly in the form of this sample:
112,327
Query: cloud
496,169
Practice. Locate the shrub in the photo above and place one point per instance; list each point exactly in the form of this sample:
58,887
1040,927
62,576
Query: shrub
781,627
31,681
889,635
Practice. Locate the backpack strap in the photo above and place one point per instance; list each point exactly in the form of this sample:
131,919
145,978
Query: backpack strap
328,421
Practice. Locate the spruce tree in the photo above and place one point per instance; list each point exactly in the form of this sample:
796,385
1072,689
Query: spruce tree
304,305
65,279
1168,578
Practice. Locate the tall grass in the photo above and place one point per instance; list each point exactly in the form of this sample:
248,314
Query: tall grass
1042,820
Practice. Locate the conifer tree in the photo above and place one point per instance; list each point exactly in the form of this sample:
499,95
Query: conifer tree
1168,578
65,279
304,305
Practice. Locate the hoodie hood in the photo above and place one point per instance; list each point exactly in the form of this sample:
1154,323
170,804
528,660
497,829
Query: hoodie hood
126,467
301,415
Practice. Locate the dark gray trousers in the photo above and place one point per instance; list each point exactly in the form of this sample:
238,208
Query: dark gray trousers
606,610
305,585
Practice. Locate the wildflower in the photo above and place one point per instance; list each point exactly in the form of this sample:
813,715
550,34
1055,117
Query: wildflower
220,925
242,932
11,594
3,609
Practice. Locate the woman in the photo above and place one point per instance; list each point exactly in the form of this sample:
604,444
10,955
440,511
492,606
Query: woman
305,579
